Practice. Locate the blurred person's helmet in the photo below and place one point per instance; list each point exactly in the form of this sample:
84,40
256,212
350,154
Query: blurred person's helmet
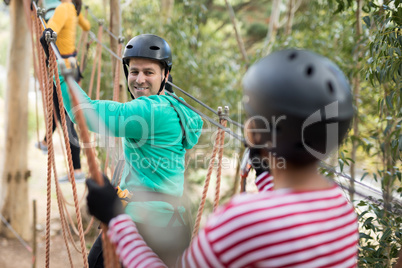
299,105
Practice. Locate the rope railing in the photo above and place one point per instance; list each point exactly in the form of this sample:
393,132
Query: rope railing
54,55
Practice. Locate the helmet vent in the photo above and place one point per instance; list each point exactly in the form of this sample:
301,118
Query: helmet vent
129,46
292,56
330,87
154,48
310,70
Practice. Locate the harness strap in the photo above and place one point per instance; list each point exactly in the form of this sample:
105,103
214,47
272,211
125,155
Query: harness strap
66,56
181,124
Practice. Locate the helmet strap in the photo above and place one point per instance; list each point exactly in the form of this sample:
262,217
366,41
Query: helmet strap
163,81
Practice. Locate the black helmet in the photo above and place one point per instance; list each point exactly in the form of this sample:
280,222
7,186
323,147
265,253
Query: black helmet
299,103
148,46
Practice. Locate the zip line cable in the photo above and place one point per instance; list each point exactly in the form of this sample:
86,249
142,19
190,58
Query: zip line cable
209,119
105,28
25,244
93,36
203,104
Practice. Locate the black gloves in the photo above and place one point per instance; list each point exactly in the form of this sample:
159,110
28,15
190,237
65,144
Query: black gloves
102,201
44,43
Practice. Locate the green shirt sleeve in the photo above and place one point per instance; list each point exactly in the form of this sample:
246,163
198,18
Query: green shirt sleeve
110,118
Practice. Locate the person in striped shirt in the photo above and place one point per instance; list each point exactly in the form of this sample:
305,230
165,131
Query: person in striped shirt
299,108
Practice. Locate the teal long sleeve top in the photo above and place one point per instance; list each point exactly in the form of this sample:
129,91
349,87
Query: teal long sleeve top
153,144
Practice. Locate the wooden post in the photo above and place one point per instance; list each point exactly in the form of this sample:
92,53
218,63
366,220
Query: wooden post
14,178
34,235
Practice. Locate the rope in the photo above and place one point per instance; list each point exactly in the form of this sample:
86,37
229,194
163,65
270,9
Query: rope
96,58
99,61
110,258
62,218
83,42
70,163
49,106
116,90
206,185
223,121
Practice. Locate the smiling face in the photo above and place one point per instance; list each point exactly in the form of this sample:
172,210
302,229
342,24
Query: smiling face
145,77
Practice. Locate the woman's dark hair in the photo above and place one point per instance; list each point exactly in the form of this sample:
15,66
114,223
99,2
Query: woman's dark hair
78,5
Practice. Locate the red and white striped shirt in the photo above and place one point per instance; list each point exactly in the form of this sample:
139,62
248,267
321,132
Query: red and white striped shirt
279,228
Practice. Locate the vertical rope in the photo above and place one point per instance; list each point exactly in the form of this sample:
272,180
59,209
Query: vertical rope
219,171
99,63
96,57
82,44
206,185
49,105
71,168
116,90
62,218
110,257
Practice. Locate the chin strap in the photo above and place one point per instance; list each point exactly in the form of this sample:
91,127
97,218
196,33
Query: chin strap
163,82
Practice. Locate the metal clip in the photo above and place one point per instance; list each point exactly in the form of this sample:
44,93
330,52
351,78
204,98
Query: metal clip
64,70
51,37
121,39
40,12
101,22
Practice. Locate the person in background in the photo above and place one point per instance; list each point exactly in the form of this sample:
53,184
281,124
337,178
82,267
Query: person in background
299,108
67,15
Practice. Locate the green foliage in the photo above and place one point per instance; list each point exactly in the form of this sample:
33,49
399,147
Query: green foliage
380,235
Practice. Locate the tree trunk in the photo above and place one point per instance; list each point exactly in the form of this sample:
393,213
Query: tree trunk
167,9
356,93
273,25
290,15
14,181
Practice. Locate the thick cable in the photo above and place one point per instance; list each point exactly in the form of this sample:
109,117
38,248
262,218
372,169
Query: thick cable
227,130
106,29
93,36
203,104
8,225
